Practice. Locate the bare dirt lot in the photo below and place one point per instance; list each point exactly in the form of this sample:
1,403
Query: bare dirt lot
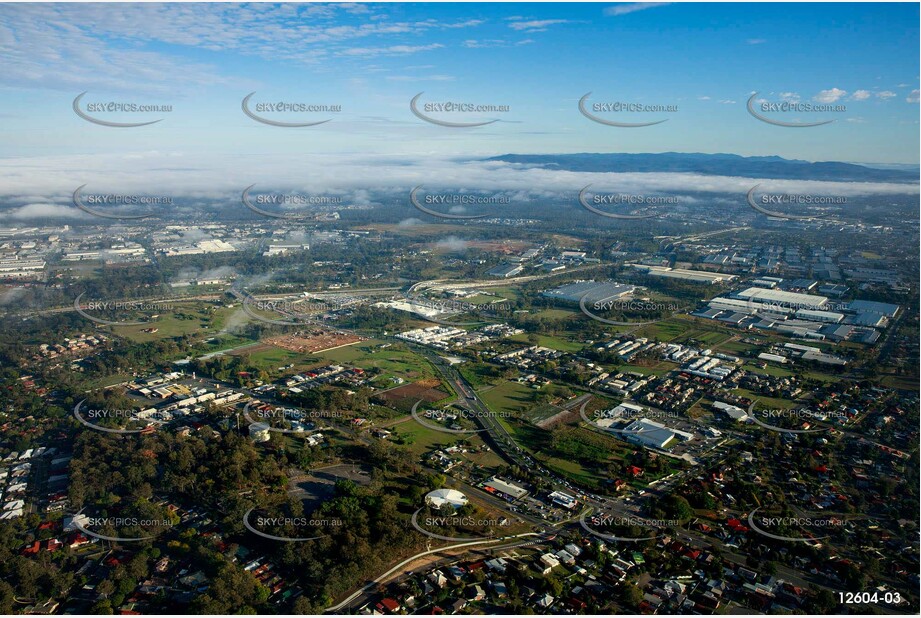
311,342
404,397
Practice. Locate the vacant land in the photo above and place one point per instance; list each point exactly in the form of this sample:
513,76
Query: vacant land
403,398
313,341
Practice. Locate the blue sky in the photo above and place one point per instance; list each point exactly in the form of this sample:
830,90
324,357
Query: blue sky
538,59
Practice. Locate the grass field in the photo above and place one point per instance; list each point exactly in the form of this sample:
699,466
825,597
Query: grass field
393,362
555,314
184,319
508,396
418,439
556,343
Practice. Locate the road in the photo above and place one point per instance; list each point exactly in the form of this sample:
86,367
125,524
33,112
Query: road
373,584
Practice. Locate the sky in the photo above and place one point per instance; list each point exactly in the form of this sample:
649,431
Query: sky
703,61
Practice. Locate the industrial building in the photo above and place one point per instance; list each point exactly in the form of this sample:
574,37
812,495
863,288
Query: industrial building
594,292
696,276
649,433
783,299
505,270
497,485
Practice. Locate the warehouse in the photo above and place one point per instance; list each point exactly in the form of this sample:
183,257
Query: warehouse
652,434
783,299
594,292
497,485
696,276
869,306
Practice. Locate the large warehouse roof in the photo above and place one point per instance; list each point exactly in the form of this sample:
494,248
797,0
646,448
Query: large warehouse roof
786,299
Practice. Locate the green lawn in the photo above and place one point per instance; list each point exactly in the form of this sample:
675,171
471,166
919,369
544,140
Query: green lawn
182,319
556,343
508,396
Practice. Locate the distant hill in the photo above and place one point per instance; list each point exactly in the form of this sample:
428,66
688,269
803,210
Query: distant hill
715,164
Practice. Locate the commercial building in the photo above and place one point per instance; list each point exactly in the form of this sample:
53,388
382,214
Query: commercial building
442,497
564,500
695,276
649,433
497,485
505,270
593,291
783,299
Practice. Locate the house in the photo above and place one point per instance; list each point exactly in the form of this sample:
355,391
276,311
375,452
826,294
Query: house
545,601
475,593
457,606
497,564
438,579
550,562
389,605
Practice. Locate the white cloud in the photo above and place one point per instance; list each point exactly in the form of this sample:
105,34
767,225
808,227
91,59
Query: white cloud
632,7
861,95
727,102
756,41
420,78
537,25
393,50
42,186
790,97
829,96
484,43
913,96
127,46
886,94
703,98
41,210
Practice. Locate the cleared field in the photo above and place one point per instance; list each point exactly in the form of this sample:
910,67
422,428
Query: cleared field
555,314
403,398
556,343
419,440
313,341
508,396
183,319
392,362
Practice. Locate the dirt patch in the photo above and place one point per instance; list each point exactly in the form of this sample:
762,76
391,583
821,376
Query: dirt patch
314,341
403,398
